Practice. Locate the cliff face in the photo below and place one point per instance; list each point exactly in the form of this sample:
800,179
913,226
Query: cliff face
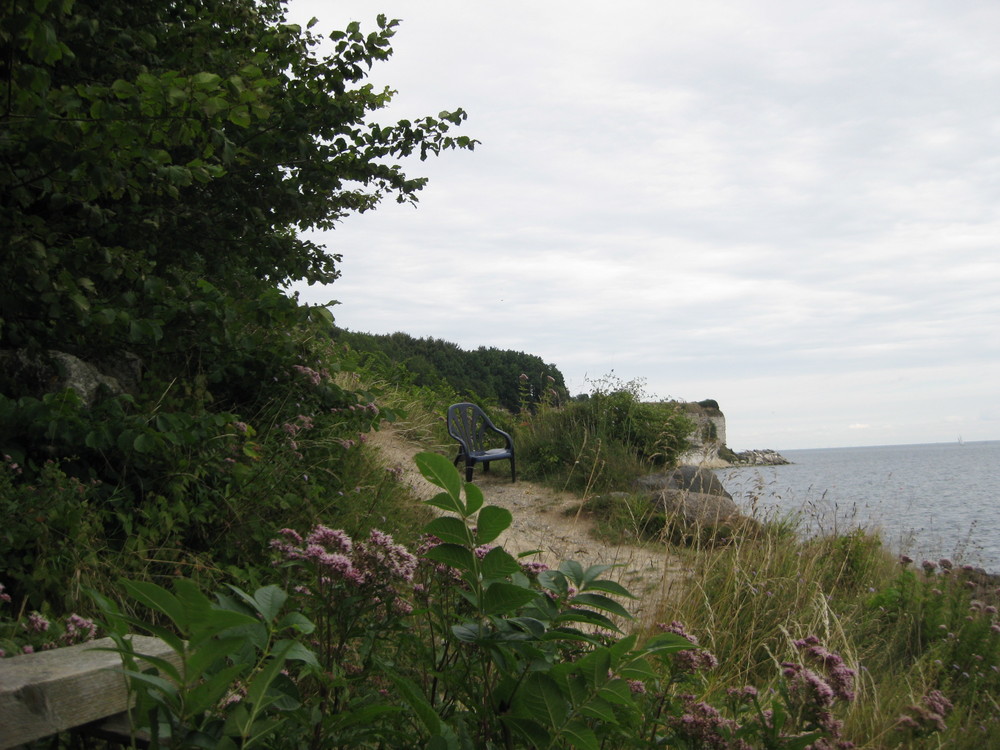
709,436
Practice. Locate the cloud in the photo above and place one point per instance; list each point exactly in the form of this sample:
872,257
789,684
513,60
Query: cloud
773,204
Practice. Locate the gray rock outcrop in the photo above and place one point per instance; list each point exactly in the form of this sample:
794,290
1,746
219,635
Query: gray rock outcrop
28,374
691,494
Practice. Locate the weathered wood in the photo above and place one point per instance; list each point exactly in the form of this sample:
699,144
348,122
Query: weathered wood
53,691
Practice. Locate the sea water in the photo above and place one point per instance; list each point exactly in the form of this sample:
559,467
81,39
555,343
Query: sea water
928,501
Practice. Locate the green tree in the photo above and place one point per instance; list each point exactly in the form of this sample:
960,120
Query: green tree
146,144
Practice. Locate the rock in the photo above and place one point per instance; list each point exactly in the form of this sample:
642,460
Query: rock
697,508
686,478
765,457
24,374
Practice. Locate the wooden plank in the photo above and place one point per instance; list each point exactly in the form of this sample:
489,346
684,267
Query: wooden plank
52,691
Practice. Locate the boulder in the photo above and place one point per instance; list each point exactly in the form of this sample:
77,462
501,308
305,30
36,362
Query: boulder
685,478
697,508
22,373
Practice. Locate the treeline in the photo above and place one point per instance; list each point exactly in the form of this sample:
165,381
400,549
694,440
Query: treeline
484,374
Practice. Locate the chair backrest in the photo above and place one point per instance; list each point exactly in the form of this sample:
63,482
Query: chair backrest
467,423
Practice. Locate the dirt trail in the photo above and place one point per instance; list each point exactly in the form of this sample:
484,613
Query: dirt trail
548,521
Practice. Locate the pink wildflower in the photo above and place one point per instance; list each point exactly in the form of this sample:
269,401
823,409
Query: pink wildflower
36,623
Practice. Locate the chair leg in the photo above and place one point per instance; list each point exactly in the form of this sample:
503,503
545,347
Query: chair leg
486,467
468,471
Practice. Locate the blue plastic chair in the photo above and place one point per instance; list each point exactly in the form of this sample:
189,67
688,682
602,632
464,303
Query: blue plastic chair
474,431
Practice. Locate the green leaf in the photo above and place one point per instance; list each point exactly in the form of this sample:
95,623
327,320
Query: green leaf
158,599
610,587
585,615
144,443
240,116
455,555
205,80
501,598
440,472
468,633
498,563
600,709
667,643
449,529
444,501
295,651
541,700
122,89
207,694
165,686
599,601
297,621
581,736
491,523
269,600
595,666
412,696
473,498
535,734
572,570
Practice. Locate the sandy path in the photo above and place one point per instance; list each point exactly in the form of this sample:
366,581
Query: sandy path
546,520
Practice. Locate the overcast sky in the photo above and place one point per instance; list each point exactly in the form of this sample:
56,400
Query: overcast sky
792,208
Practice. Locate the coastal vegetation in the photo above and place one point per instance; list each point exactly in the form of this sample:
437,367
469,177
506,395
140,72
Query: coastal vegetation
217,488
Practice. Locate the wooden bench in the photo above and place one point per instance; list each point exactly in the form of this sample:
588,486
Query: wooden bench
54,691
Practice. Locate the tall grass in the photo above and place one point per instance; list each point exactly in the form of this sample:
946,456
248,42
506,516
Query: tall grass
906,631
602,442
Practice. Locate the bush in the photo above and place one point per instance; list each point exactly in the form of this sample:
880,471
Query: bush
604,442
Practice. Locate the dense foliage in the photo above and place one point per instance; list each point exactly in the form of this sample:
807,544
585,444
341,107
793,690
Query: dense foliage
604,441
510,379
158,161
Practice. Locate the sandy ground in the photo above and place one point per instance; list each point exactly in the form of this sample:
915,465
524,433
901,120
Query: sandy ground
548,521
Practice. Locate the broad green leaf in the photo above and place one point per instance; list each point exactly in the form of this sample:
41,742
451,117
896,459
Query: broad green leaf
240,116
617,692
491,523
572,570
295,651
595,667
600,709
144,443
122,89
440,472
637,669
206,695
587,616
450,530
205,79
444,501
165,686
498,563
529,625
296,621
610,587
534,733
541,699
599,601
158,599
667,643
473,498
468,632
501,598
415,699
592,572
210,652
581,736
269,600
261,682
454,555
